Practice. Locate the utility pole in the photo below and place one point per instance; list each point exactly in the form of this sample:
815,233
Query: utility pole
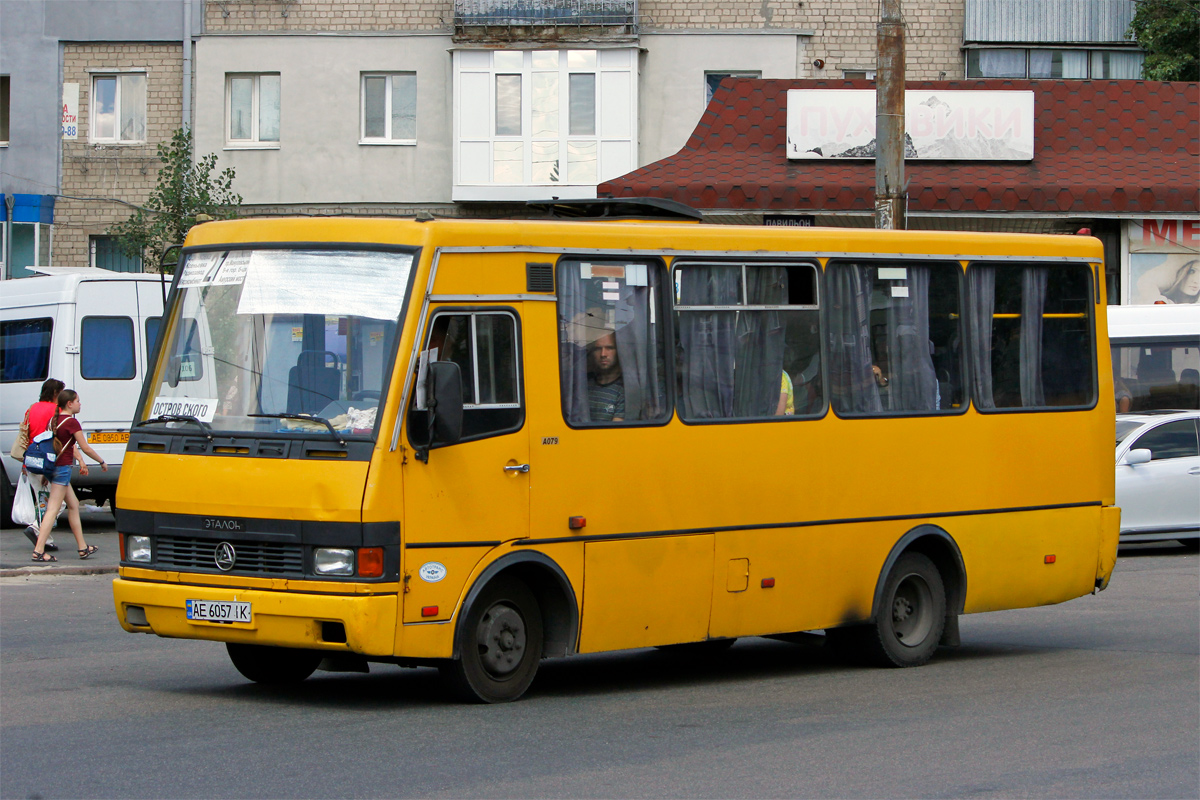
890,190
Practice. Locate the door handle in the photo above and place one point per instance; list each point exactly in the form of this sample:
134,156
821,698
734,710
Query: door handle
1194,471
517,468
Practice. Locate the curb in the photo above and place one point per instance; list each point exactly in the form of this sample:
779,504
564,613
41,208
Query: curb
16,573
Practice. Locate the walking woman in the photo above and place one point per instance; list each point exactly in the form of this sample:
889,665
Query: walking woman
38,418
69,433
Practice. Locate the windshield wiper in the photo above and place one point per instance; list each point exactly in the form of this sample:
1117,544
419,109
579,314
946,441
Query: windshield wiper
180,418
305,418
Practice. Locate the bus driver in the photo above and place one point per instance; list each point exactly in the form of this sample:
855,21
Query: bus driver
606,387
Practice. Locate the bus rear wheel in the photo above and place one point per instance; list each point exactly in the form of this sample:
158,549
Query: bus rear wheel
908,623
275,666
500,645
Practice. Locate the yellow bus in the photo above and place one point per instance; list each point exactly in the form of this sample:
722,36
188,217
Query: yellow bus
477,444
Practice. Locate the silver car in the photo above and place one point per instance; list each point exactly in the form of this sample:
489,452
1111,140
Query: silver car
1158,476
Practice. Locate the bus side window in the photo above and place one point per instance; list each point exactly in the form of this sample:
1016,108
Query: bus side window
484,345
612,342
748,340
1031,333
894,337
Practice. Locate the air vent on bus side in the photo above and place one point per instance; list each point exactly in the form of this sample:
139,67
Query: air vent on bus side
271,448
190,445
539,277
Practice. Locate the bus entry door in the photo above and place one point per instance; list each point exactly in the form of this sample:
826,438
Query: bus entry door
469,496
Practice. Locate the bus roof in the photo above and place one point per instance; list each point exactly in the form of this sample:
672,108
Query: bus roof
655,237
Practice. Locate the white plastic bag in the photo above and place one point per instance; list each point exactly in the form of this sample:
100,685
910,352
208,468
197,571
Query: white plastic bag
24,510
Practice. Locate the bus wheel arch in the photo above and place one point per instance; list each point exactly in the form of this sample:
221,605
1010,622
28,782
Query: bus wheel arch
936,544
550,587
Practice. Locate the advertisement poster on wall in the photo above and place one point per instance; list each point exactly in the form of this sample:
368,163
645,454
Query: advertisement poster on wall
1164,261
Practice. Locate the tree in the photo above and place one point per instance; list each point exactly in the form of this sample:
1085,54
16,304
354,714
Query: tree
1169,32
185,190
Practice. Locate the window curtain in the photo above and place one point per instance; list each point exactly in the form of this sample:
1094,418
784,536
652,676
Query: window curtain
574,328
852,383
760,339
1002,63
638,349
981,303
912,382
1033,303
706,341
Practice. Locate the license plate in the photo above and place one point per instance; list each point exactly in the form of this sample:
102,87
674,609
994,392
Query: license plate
217,611
108,437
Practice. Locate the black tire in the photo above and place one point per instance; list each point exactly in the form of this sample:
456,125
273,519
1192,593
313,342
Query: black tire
273,665
909,620
499,645
709,648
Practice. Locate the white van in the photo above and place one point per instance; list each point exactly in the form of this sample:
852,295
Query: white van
1156,356
95,331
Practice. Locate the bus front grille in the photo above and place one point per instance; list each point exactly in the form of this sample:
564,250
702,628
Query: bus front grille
265,558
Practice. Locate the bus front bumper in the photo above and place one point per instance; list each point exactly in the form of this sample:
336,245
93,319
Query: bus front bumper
346,623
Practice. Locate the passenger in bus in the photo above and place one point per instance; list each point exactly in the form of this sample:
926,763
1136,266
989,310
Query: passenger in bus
606,386
1123,396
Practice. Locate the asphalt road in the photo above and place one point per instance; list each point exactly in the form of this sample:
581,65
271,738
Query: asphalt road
1098,697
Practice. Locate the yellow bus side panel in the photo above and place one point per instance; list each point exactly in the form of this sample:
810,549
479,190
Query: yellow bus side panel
277,488
1005,556
285,619
646,592
460,564
1108,546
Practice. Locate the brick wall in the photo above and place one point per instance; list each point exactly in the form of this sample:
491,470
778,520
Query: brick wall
846,36
112,172
324,15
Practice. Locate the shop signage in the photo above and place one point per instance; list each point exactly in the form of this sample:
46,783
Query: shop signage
944,125
70,111
1164,261
789,220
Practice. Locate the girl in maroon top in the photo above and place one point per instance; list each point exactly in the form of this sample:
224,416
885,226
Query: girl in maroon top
68,433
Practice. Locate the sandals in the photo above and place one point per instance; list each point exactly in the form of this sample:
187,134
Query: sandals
43,557
88,551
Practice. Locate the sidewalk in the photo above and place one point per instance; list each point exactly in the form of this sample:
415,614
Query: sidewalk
99,529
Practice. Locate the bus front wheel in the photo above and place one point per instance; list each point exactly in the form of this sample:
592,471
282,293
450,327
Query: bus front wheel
909,621
500,645
273,665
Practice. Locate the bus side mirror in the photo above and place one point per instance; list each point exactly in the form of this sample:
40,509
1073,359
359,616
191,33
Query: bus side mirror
444,399
1139,456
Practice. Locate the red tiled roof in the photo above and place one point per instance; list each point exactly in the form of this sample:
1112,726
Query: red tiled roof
1101,148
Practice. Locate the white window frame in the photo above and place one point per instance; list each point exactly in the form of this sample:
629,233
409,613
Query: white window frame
387,139
727,73
253,143
115,75
1090,53
614,139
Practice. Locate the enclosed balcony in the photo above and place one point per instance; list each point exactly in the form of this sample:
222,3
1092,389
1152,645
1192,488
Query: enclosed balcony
539,20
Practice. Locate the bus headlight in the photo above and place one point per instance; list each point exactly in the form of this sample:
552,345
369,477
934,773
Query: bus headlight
137,548
333,561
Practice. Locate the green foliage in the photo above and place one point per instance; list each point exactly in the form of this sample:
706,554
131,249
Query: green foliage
1169,32
185,189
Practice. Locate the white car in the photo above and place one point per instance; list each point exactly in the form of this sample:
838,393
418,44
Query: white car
1158,476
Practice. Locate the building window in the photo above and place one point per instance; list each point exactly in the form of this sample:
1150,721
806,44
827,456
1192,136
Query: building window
106,254
554,118
118,108
252,110
713,79
1008,62
4,82
858,74
389,108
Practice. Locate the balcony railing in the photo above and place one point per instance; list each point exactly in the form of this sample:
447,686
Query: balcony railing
491,18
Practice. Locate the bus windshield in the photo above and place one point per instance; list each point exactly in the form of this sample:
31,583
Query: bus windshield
260,339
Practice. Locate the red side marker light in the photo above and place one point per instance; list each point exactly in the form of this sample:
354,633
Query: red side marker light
768,583
575,523
429,611
1050,559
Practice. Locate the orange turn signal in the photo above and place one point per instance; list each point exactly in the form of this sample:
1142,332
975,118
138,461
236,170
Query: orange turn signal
370,562
1050,559
768,583
429,611
575,523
